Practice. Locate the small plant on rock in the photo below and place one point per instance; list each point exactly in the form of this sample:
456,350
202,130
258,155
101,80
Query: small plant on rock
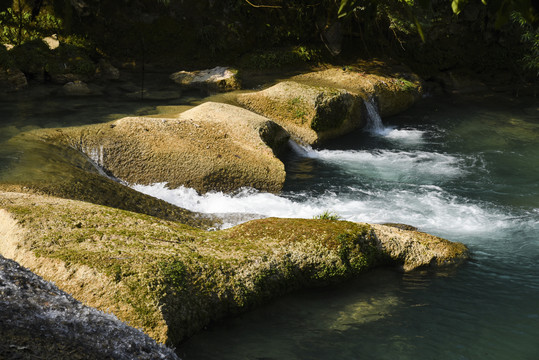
328,215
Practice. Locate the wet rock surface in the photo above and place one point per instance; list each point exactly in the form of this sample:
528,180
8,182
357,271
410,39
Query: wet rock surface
39,321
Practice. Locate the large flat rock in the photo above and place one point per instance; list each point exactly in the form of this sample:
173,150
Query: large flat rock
171,280
212,147
311,114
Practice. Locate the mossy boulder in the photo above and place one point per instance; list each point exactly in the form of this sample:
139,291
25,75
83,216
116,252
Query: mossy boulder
311,114
170,279
61,65
32,58
11,78
58,170
393,90
70,63
210,147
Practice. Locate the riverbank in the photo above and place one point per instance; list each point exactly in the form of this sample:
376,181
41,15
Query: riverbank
171,279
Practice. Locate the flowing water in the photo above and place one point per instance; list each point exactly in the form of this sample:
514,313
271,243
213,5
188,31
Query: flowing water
466,169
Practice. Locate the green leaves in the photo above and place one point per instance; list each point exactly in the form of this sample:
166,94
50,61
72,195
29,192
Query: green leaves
458,5
346,8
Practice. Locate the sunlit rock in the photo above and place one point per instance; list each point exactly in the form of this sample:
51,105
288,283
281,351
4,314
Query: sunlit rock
393,91
311,114
210,147
52,41
219,78
413,249
171,280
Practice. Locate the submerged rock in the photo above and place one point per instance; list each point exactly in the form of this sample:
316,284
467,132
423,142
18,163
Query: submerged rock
311,114
219,78
171,279
38,320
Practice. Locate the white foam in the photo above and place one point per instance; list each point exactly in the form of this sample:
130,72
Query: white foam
402,166
406,136
427,207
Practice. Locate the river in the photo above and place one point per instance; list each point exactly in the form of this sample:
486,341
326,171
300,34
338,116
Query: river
462,167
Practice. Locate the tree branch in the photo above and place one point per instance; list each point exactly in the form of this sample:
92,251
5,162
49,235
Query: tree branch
263,6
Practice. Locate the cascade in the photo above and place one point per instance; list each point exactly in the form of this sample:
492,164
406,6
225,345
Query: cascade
374,121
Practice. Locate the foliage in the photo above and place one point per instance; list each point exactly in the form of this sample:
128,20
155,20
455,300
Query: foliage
328,215
530,39
6,61
20,26
281,57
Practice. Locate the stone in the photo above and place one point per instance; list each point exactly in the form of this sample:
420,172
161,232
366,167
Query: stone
12,79
311,114
212,147
52,42
412,249
218,79
76,88
393,91
38,320
106,71
172,280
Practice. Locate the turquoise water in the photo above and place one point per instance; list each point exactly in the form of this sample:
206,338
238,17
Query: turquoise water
464,168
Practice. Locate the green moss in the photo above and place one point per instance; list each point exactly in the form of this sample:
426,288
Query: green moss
406,85
188,276
32,57
331,111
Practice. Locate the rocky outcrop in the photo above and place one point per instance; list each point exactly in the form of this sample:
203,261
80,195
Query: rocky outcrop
413,249
393,91
39,321
210,147
322,105
171,279
218,79
47,168
311,114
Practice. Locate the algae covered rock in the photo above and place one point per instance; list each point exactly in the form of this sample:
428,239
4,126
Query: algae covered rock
413,249
219,79
311,114
58,170
394,92
171,279
210,147
168,278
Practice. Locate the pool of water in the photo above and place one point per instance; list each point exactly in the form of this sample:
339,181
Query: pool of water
464,168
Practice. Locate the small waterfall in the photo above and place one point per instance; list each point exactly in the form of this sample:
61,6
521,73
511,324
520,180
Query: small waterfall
302,150
374,121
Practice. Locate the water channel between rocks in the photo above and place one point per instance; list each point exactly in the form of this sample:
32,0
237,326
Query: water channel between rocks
464,168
